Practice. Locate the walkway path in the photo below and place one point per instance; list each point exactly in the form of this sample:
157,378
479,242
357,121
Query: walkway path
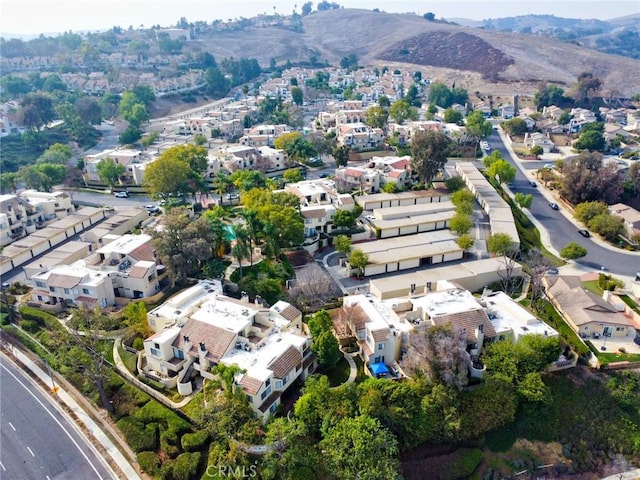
90,425
353,373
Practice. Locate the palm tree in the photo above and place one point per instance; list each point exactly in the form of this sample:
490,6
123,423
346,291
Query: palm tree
221,184
252,226
242,247
219,234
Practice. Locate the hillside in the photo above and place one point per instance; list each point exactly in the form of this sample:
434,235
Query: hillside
514,62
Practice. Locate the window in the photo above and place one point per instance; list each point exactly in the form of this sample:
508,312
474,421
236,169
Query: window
178,353
155,352
273,407
278,384
250,398
381,346
285,380
40,284
67,291
266,392
156,345
268,382
52,289
620,329
86,291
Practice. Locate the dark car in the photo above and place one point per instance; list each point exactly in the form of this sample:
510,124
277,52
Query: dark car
584,233
554,206
533,184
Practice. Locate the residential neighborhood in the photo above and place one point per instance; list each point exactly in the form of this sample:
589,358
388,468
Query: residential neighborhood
370,266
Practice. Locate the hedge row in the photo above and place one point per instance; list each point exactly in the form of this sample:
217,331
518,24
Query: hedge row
42,318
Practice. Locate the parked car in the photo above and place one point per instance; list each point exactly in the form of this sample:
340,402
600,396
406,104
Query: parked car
554,206
533,184
584,233
552,271
548,166
121,194
152,209
371,218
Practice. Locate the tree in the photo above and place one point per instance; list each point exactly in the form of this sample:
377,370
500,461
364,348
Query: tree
375,117
452,115
358,260
588,210
440,354
89,110
413,97
390,187
502,170
135,317
573,250
440,94
461,224
319,323
343,245
454,184
42,176
477,126
607,225
56,153
179,169
514,126
306,9
465,241
401,111
343,219
523,200
292,175
430,150
183,245
502,244
109,171
591,140
361,448
130,135
549,94
86,353
241,246
297,96
341,155
585,88
536,151
217,83
36,110
327,350
586,179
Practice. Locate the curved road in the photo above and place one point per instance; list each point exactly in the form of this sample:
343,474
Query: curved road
37,441
562,230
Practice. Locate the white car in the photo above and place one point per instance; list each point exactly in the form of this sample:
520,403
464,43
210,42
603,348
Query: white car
121,195
371,218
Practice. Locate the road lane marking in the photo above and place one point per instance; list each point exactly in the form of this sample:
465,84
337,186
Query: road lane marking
56,420
11,425
2,465
31,452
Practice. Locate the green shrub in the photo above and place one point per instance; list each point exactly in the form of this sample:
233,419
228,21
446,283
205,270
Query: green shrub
138,343
140,437
192,442
149,462
29,326
186,466
170,443
465,464
43,319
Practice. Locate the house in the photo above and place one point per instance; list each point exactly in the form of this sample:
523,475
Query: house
200,328
537,139
357,178
119,271
629,215
588,314
131,160
319,201
72,286
24,213
359,136
507,111
263,135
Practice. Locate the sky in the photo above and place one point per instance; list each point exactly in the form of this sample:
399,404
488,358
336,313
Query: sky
32,17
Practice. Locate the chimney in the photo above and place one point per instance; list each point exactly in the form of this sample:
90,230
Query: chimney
187,343
480,336
203,348
202,357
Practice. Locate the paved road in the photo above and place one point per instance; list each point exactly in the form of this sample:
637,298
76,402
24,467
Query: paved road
562,230
37,441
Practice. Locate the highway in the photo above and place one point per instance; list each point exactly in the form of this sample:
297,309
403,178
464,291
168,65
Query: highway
562,230
36,440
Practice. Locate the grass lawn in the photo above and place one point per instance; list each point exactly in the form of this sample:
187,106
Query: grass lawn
129,359
339,374
592,286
